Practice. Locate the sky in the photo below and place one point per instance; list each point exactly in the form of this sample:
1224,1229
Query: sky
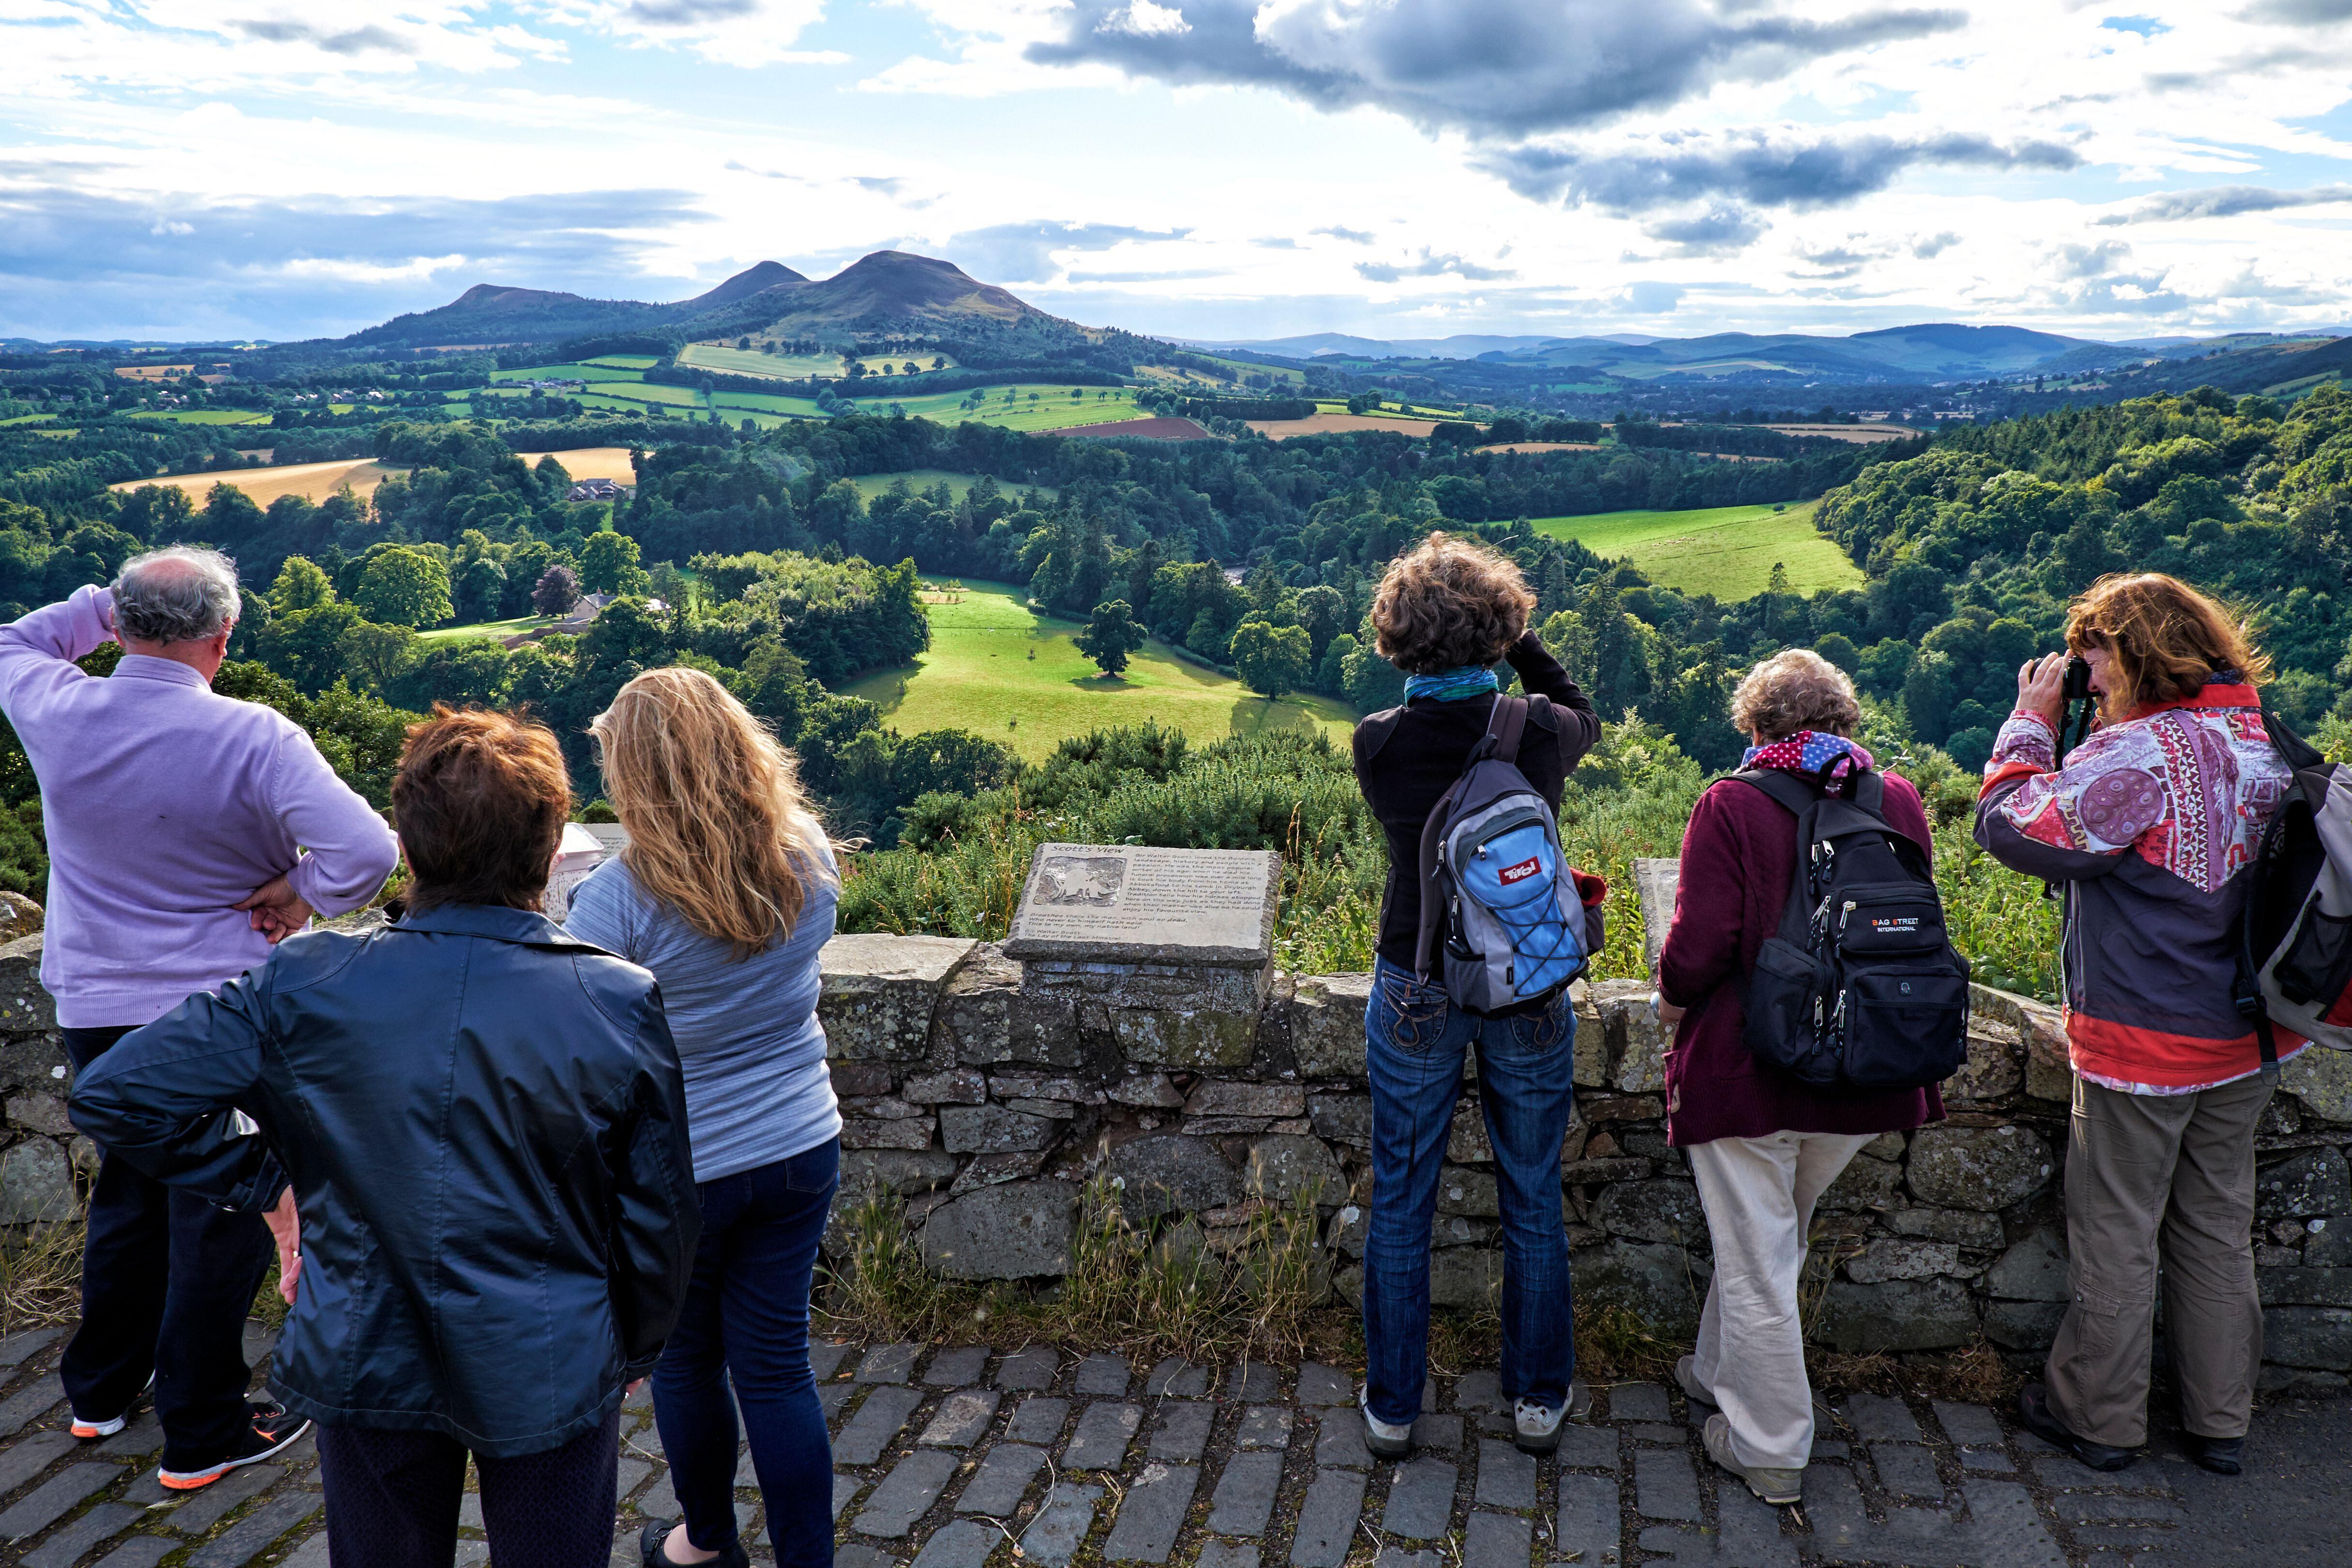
202,169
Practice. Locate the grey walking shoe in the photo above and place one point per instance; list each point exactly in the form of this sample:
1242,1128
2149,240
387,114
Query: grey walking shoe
1386,1439
1776,1487
1686,1373
1537,1424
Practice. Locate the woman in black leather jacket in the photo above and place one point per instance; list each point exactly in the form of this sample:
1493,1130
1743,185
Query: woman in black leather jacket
483,1123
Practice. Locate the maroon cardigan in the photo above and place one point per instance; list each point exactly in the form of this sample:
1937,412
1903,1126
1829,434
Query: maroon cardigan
1740,852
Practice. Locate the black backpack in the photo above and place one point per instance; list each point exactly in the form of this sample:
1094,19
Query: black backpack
1860,989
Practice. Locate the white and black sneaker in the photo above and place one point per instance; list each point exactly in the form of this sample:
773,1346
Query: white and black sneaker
1535,1425
90,1430
273,1431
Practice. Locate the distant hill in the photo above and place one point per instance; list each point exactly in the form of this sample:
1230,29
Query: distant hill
888,288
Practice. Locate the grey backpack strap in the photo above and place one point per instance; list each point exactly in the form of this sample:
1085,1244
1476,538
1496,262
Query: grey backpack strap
1504,727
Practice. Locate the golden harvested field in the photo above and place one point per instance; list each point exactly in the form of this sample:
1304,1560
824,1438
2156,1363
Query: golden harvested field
315,482
590,463
1544,447
153,371
1334,424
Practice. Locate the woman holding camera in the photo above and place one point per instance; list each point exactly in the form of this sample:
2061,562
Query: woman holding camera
2148,826
1445,613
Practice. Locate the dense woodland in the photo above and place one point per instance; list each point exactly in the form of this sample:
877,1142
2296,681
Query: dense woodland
755,557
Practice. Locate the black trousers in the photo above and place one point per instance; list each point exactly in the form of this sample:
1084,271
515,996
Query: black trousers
167,1282
393,1499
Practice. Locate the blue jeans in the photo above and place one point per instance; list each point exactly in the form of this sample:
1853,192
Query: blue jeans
1414,1042
746,1322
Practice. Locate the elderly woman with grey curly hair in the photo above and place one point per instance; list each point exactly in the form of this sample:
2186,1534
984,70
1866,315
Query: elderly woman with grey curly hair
1763,1144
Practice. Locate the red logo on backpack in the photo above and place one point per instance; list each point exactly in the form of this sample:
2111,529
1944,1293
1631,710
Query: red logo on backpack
1520,872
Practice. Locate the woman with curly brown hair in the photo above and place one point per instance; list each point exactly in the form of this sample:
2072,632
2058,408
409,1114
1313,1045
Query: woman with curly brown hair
725,892
1445,614
2149,826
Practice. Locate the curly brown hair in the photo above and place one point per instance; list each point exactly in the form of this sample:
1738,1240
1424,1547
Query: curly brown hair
1795,689
1448,604
2167,639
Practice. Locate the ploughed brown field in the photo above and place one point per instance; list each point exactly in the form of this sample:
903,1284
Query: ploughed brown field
1157,429
1544,447
1330,424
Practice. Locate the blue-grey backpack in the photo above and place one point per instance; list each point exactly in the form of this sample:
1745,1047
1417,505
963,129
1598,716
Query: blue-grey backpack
1860,989
2297,971
1505,922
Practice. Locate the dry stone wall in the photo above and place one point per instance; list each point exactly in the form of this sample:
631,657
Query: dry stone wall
984,1093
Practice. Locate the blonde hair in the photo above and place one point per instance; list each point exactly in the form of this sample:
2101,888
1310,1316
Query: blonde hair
2167,639
1449,602
1795,689
718,829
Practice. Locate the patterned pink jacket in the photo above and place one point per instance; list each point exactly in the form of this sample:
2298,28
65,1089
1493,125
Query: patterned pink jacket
2150,829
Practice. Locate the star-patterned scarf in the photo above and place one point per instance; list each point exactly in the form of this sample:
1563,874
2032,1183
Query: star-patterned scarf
1810,751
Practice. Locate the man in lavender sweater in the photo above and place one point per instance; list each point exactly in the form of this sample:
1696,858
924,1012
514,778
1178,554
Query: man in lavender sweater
188,833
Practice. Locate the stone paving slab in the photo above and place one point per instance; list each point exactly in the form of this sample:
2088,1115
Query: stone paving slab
944,1457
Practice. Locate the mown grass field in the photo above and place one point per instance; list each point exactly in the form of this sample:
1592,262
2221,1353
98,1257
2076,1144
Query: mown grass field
1726,551
958,485
586,370
797,367
980,674
205,416
506,628
1053,409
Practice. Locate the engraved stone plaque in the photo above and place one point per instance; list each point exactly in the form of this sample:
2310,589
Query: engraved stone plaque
1130,904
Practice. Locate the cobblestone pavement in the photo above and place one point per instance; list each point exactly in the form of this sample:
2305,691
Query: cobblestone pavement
966,1456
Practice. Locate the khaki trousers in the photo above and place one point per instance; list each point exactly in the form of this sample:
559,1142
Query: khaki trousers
1760,1194
2157,1180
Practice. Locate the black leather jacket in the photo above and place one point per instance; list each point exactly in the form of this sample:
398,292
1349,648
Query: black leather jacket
485,1125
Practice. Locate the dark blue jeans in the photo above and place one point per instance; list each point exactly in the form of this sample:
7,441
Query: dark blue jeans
167,1281
746,1321
1415,1039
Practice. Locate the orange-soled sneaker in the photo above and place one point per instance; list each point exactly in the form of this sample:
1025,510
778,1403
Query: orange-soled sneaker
273,1432
90,1430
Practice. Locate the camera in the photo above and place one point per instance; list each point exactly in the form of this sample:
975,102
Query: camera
2075,722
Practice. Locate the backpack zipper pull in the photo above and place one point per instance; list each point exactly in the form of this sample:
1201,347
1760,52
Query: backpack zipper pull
1843,915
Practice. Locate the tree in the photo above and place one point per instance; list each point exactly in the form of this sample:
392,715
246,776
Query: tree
1272,659
301,585
608,565
557,590
376,655
1110,636
405,586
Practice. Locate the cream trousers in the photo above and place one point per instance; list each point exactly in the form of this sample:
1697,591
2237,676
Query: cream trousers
1760,1194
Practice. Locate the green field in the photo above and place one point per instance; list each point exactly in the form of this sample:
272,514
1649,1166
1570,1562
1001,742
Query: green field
958,485
979,676
1055,409
489,628
623,361
586,370
209,416
1420,411
26,419
799,367
1726,551
647,392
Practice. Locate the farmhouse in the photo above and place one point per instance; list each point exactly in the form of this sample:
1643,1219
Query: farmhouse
595,490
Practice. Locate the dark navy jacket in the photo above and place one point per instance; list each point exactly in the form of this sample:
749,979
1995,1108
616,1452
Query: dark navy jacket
484,1123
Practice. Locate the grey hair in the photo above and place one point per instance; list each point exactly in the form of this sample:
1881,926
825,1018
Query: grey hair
1795,689
180,594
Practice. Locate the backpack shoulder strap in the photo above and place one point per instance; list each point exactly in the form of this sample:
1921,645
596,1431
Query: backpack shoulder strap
2297,753
1787,790
1504,727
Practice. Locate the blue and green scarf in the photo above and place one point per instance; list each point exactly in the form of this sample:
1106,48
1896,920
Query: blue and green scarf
1452,685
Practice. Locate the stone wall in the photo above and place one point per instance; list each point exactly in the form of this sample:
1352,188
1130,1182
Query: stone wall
984,1093
984,1096
44,1165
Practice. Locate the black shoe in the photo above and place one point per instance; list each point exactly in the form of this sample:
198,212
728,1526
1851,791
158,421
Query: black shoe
2033,1410
2222,1456
651,1541
273,1431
